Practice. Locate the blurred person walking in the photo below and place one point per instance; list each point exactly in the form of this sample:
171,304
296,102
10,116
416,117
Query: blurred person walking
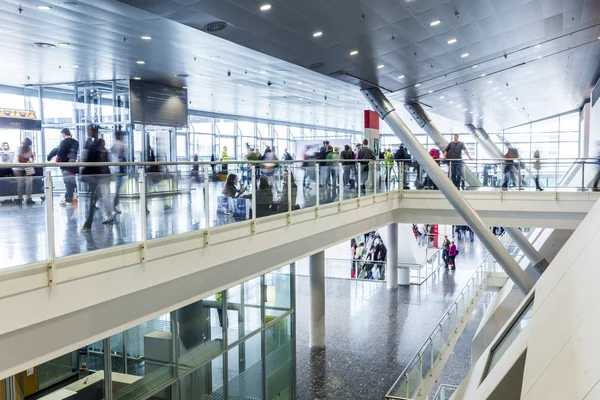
537,165
119,154
68,150
365,154
347,154
453,153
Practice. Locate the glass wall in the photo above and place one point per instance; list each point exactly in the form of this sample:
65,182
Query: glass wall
238,343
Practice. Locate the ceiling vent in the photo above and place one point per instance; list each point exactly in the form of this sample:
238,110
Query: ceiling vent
43,45
316,65
215,26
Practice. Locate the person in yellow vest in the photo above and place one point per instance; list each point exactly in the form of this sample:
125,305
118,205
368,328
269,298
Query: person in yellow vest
224,157
389,164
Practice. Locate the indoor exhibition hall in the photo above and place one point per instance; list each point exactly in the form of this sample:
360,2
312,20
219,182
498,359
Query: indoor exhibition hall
299,199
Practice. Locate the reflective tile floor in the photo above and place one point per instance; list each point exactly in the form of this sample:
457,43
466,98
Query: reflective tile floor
23,227
372,333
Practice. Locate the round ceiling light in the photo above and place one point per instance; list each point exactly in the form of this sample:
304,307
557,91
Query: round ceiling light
44,8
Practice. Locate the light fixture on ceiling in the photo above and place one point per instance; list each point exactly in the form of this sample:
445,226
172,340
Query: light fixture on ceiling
539,57
441,97
431,91
451,102
417,85
452,41
64,44
184,87
74,66
490,82
435,23
354,52
140,62
136,78
380,66
537,46
495,88
146,37
465,109
401,77
464,55
197,75
265,7
240,85
483,75
318,34
504,97
475,66
299,82
44,8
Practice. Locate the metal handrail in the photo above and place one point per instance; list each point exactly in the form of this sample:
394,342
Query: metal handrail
454,306
440,394
258,162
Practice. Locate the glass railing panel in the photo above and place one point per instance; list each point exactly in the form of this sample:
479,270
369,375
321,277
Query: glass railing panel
230,199
23,211
427,359
104,208
437,344
414,377
329,189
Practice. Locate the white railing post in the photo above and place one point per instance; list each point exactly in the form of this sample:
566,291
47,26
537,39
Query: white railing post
341,184
143,217
206,207
289,196
48,192
318,187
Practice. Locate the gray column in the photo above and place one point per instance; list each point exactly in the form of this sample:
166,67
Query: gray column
517,236
387,112
392,257
440,141
317,299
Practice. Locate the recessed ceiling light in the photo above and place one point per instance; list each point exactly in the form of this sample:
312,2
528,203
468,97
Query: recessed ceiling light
64,44
495,88
197,75
265,7
239,84
434,23
451,102
380,66
354,52
141,62
490,82
184,87
417,85
539,57
74,66
464,55
299,82
504,97
44,8
483,75
475,66
470,112
537,46
401,77
146,37
136,78
317,34
441,97
465,109
451,41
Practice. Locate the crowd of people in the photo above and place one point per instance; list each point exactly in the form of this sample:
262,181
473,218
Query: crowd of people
368,254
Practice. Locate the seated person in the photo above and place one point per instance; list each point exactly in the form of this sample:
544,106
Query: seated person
264,198
230,189
282,201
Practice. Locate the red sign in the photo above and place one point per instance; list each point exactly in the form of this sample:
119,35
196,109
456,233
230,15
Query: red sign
435,235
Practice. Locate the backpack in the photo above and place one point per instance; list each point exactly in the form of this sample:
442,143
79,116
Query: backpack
434,153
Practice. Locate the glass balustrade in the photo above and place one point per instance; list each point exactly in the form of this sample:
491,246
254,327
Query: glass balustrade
53,213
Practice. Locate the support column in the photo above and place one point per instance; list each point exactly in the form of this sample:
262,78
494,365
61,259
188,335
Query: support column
417,112
387,112
392,257
317,299
538,262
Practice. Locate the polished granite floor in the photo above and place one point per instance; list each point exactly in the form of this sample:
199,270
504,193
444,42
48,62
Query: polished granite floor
371,332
